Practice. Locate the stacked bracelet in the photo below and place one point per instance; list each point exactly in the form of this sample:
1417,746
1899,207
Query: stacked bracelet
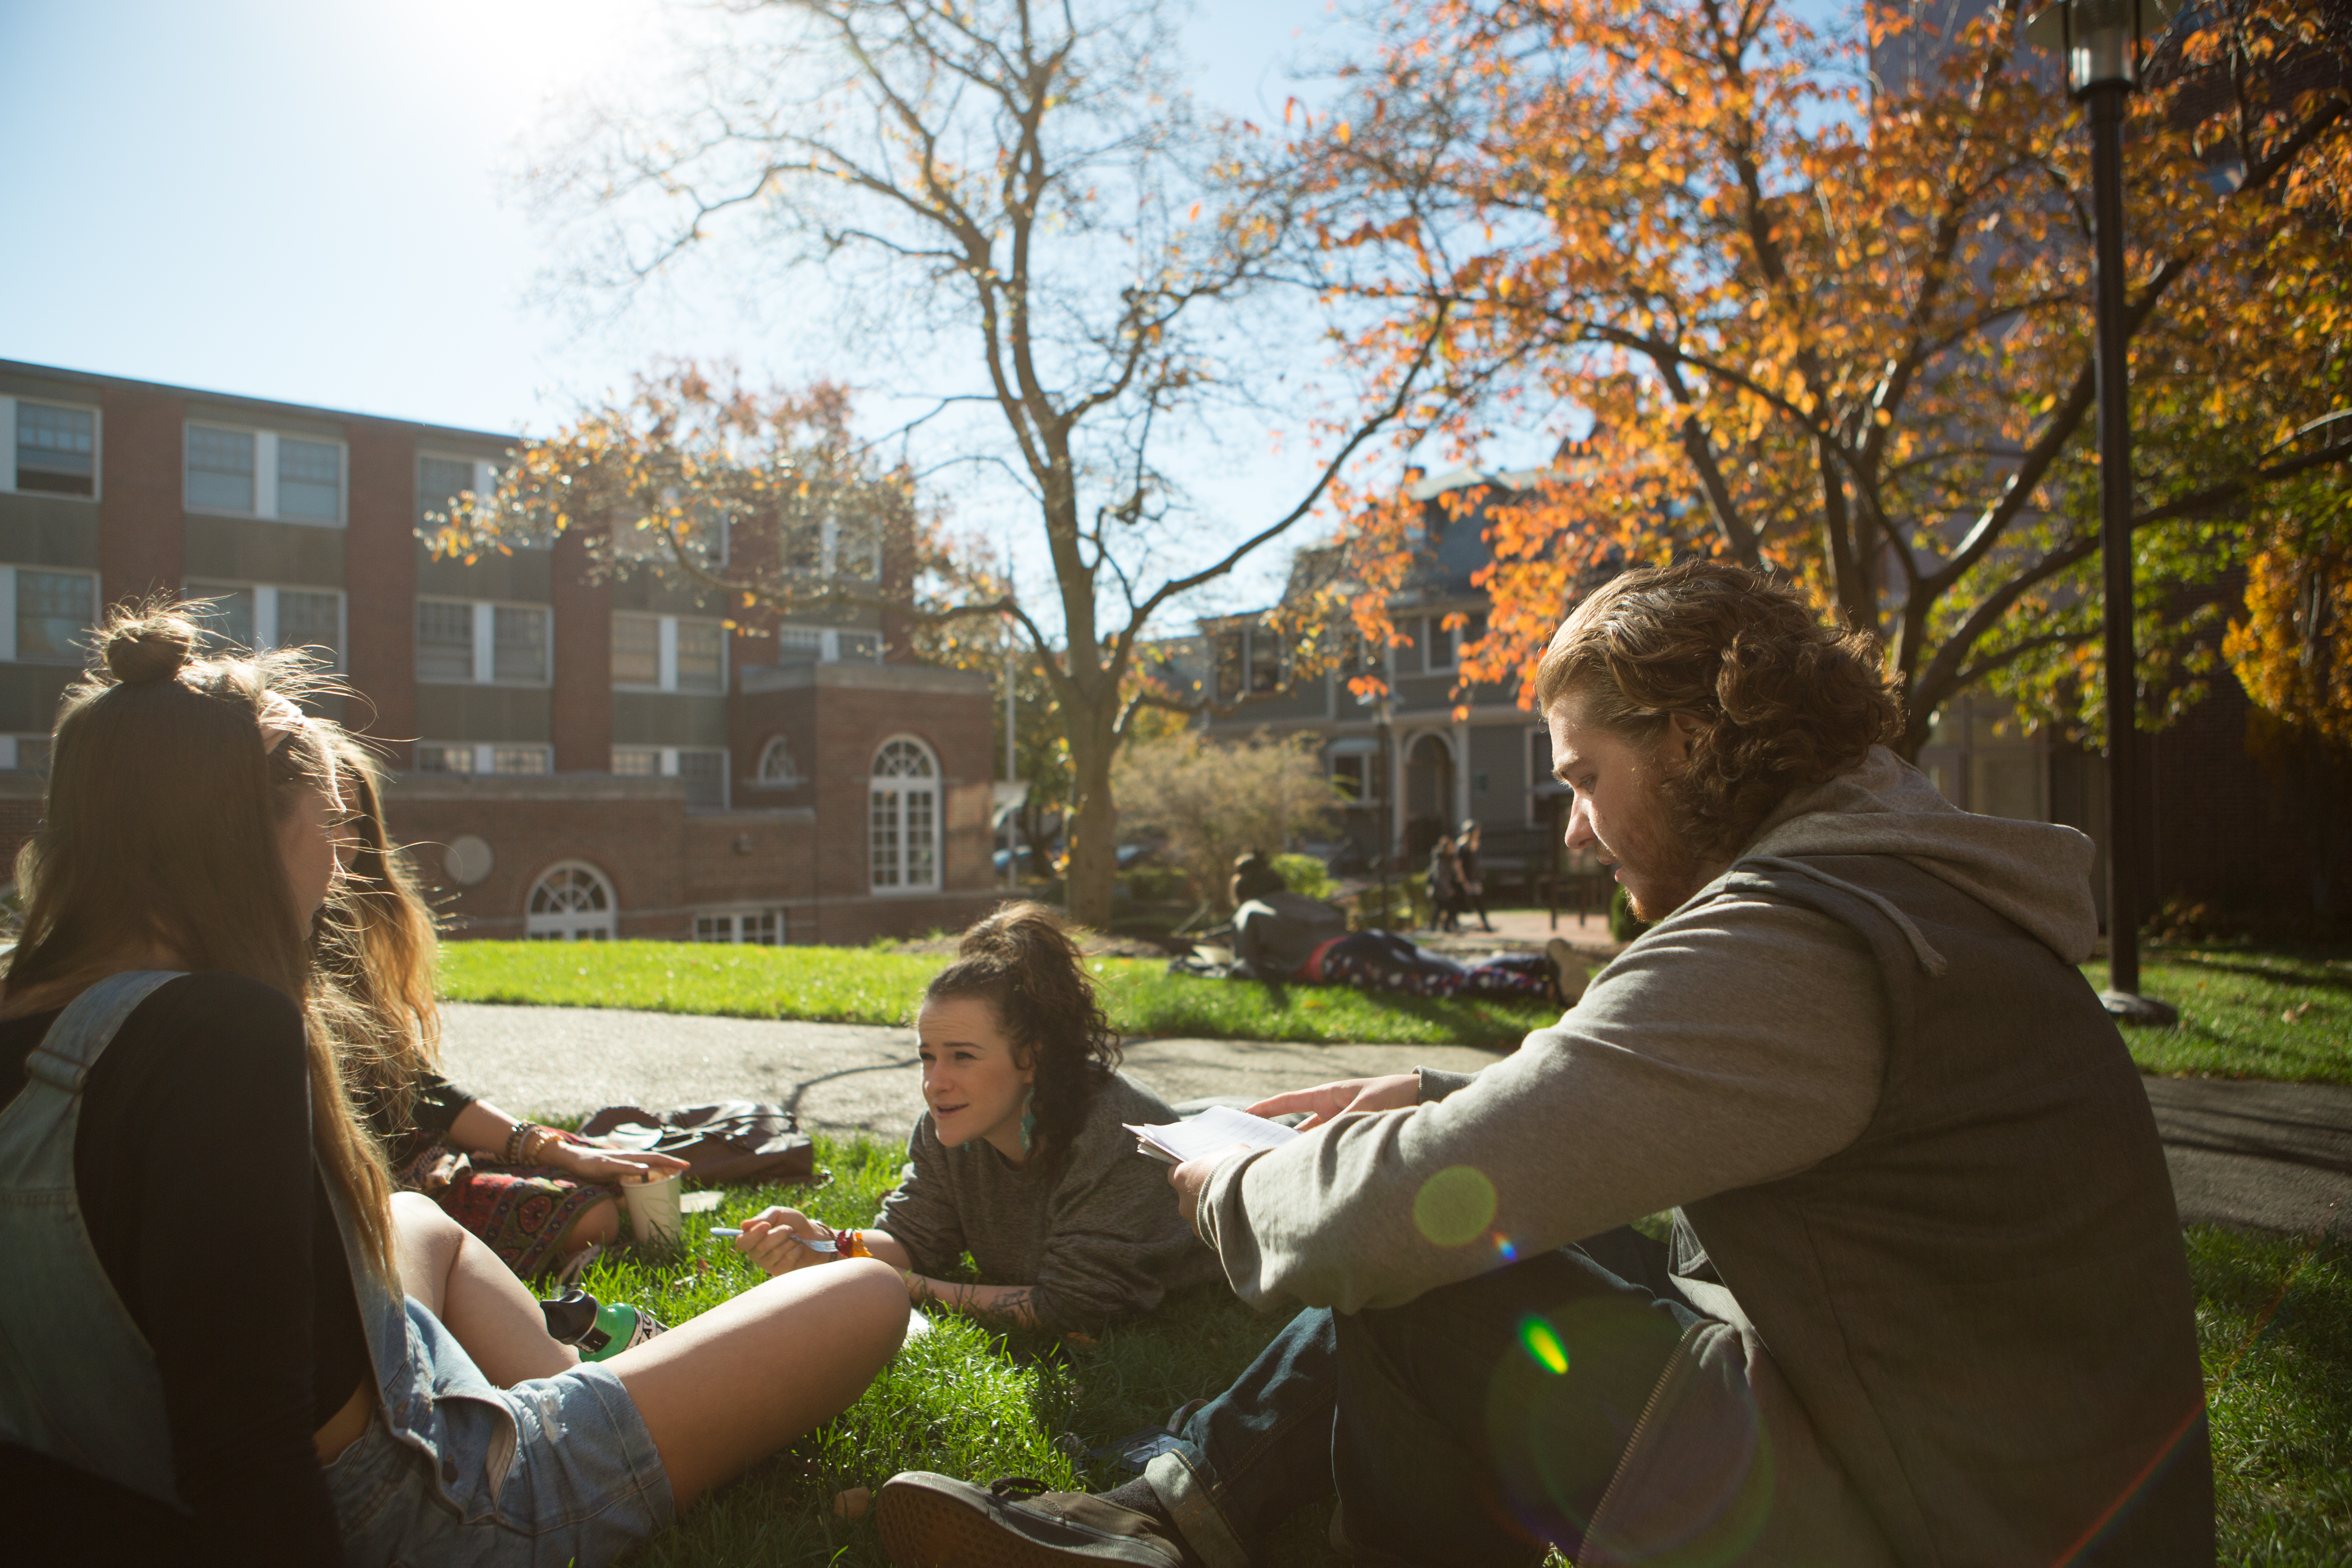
518,1143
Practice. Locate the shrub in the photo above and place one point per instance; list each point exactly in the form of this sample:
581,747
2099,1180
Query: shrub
1623,924
1210,801
1304,874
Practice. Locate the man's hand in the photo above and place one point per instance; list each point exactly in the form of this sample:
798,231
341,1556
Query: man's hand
1325,1101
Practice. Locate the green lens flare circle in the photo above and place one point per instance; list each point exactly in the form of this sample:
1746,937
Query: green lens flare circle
1454,1206
1543,1345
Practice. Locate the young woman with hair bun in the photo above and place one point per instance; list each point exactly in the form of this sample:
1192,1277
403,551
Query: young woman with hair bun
223,1338
1023,1158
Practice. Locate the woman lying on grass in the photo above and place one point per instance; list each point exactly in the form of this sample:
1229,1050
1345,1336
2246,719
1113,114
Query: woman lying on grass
225,1340
537,1197
1022,1159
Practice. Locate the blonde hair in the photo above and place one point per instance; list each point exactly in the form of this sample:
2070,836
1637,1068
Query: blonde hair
377,939
160,829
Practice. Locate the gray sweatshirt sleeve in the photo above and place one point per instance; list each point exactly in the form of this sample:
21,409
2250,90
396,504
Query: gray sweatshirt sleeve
920,1214
1738,1042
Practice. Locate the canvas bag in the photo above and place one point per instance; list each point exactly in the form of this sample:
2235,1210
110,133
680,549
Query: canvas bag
733,1141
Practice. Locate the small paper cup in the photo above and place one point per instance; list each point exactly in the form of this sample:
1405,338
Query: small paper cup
655,1218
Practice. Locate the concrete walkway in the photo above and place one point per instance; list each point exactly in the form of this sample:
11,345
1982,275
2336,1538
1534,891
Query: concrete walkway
2274,1156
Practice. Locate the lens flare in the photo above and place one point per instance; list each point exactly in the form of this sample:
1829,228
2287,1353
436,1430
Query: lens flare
1544,1345
1454,1206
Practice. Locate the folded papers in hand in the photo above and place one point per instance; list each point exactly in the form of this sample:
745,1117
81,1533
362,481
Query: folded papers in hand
1218,1128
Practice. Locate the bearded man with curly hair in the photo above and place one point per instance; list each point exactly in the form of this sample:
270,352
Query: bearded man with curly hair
1923,1299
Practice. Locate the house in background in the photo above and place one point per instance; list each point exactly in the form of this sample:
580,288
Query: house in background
2222,831
572,758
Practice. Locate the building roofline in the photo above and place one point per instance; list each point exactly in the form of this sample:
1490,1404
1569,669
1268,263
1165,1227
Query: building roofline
241,400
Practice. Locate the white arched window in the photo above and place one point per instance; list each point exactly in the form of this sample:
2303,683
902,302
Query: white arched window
777,769
572,902
904,818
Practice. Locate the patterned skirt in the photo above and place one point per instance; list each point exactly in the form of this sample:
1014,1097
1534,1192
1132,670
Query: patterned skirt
521,1212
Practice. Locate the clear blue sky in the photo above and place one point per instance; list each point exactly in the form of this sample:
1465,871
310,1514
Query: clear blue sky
316,200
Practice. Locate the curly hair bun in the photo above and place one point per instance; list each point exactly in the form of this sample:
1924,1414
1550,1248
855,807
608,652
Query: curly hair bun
144,649
1022,934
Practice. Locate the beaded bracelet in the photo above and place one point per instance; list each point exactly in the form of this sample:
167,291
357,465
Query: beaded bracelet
518,1142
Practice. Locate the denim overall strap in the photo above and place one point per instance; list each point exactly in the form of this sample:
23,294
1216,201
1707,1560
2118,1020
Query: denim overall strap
78,1380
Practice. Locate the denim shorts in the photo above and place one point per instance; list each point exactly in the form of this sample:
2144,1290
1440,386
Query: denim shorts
585,1484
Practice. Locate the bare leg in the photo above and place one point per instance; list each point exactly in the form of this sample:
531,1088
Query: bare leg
731,1387
476,1296
599,1224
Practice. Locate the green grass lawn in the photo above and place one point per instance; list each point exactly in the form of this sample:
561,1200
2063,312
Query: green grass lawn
874,985
2282,1012
2274,1322
2246,1012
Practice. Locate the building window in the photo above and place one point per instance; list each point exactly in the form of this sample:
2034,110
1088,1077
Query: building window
467,642
777,770
904,818
309,480
1538,771
703,769
45,613
572,902
246,616
220,469
636,650
1264,660
24,753
261,473
520,643
482,757
669,653
1356,773
701,657
1437,644
763,927
56,449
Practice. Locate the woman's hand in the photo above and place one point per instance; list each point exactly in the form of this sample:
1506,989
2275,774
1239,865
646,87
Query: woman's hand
587,1163
1325,1101
768,1240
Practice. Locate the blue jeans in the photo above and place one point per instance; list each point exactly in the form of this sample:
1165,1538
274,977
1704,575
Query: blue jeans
1474,1425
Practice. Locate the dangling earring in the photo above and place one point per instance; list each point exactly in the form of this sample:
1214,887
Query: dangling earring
1028,1118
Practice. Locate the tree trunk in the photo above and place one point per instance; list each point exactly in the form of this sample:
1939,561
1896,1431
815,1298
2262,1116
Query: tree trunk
1094,824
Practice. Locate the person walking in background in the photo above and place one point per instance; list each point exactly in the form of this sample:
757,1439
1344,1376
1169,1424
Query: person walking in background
1473,886
1444,886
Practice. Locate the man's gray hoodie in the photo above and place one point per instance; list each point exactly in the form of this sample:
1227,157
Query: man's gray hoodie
1740,1041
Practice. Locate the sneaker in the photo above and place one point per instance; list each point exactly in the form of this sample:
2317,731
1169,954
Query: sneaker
934,1522
1567,970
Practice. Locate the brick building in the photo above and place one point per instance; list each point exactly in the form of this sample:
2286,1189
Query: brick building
572,758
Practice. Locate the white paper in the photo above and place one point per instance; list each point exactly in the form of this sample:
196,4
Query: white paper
1219,1127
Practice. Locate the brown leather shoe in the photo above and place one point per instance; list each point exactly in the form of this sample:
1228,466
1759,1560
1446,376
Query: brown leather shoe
936,1521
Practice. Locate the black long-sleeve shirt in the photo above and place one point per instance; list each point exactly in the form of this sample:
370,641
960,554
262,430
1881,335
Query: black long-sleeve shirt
192,1164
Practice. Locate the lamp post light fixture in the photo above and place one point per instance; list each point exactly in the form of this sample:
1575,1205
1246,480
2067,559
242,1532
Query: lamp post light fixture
2100,43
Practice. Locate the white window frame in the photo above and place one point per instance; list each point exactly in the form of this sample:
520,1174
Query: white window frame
264,611
828,640
789,778
603,925
735,915
97,447
1430,627
486,647
8,610
486,754
486,473
898,787
669,768
265,473
666,654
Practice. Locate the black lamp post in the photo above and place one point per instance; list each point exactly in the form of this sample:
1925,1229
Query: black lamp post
2100,41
